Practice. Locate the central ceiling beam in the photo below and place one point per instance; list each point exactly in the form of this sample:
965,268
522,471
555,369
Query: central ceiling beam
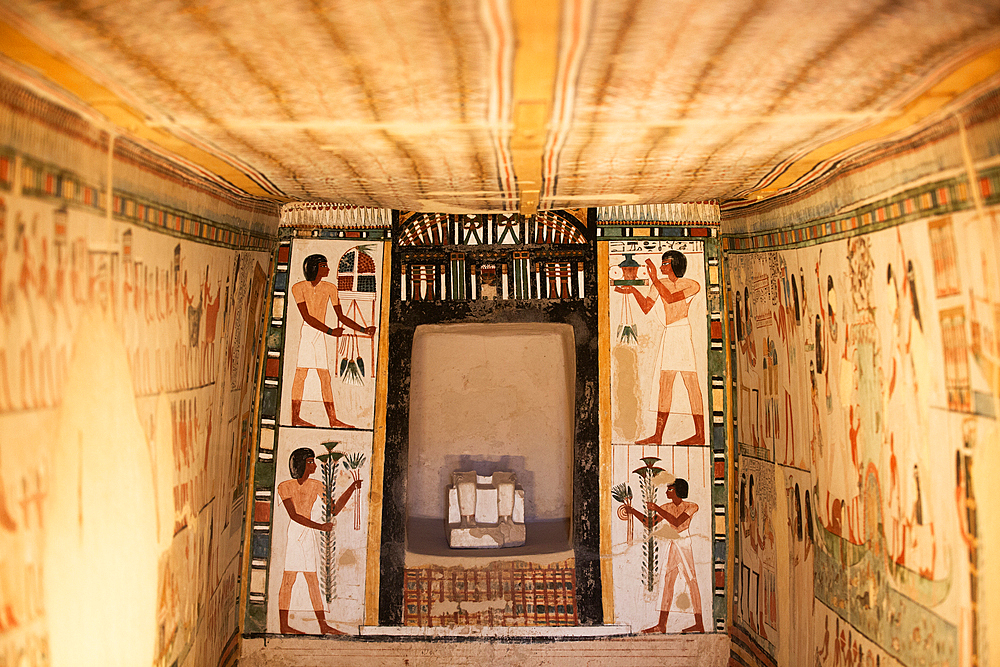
536,26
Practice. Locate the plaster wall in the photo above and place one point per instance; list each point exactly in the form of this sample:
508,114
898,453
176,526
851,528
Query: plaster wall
866,389
128,357
492,397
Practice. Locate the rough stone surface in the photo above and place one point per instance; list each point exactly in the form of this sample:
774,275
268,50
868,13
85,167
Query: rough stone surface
711,650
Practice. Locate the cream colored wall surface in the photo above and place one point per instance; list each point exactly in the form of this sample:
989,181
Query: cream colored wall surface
867,392
663,569
126,374
492,397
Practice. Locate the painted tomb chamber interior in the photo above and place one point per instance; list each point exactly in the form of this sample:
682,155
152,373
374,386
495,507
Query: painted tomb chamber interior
534,396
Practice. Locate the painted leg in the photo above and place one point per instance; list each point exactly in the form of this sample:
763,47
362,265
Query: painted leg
283,621
698,626
312,582
661,625
325,629
296,419
284,602
699,432
298,387
331,413
327,389
697,409
657,437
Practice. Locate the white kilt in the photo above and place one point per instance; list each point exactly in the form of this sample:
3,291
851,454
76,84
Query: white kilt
312,348
301,548
676,348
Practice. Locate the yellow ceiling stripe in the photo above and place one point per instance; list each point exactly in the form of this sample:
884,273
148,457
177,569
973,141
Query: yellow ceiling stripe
932,100
536,25
128,120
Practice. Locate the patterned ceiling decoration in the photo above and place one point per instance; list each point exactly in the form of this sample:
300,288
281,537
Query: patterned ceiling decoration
438,105
439,229
679,212
318,214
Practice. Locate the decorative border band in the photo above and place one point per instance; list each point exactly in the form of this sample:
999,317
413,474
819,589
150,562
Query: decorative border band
264,464
45,181
937,198
319,216
686,213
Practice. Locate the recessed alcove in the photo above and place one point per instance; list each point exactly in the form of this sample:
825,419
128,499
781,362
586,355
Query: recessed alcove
491,397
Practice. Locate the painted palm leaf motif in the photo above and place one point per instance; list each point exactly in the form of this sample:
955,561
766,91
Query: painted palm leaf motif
650,549
328,540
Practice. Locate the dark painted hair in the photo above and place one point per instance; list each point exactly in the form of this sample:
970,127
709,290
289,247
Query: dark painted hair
808,518
798,514
681,487
678,262
310,266
819,345
739,316
795,299
297,461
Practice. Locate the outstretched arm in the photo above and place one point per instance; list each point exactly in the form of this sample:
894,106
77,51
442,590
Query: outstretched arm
294,515
314,322
351,323
677,522
345,496
645,303
684,288
642,517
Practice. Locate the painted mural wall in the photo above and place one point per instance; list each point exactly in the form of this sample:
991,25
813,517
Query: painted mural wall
662,463
320,519
129,339
312,482
866,387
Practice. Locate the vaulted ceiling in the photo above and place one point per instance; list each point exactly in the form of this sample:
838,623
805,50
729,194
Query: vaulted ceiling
490,105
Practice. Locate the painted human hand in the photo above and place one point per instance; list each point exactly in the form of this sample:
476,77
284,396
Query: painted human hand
370,330
326,527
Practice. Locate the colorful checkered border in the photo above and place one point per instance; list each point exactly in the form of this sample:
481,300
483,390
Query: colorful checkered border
264,466
44,181
618,231
286,233
938,198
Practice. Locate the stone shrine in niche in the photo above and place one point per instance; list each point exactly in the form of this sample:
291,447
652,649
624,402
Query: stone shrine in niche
485,511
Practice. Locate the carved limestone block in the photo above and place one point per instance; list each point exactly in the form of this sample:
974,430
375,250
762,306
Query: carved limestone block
485,511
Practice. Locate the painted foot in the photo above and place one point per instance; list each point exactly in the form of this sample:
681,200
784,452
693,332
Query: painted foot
298,421
289,630
336,423
655,630
325,629
697,627
651,440
693,440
